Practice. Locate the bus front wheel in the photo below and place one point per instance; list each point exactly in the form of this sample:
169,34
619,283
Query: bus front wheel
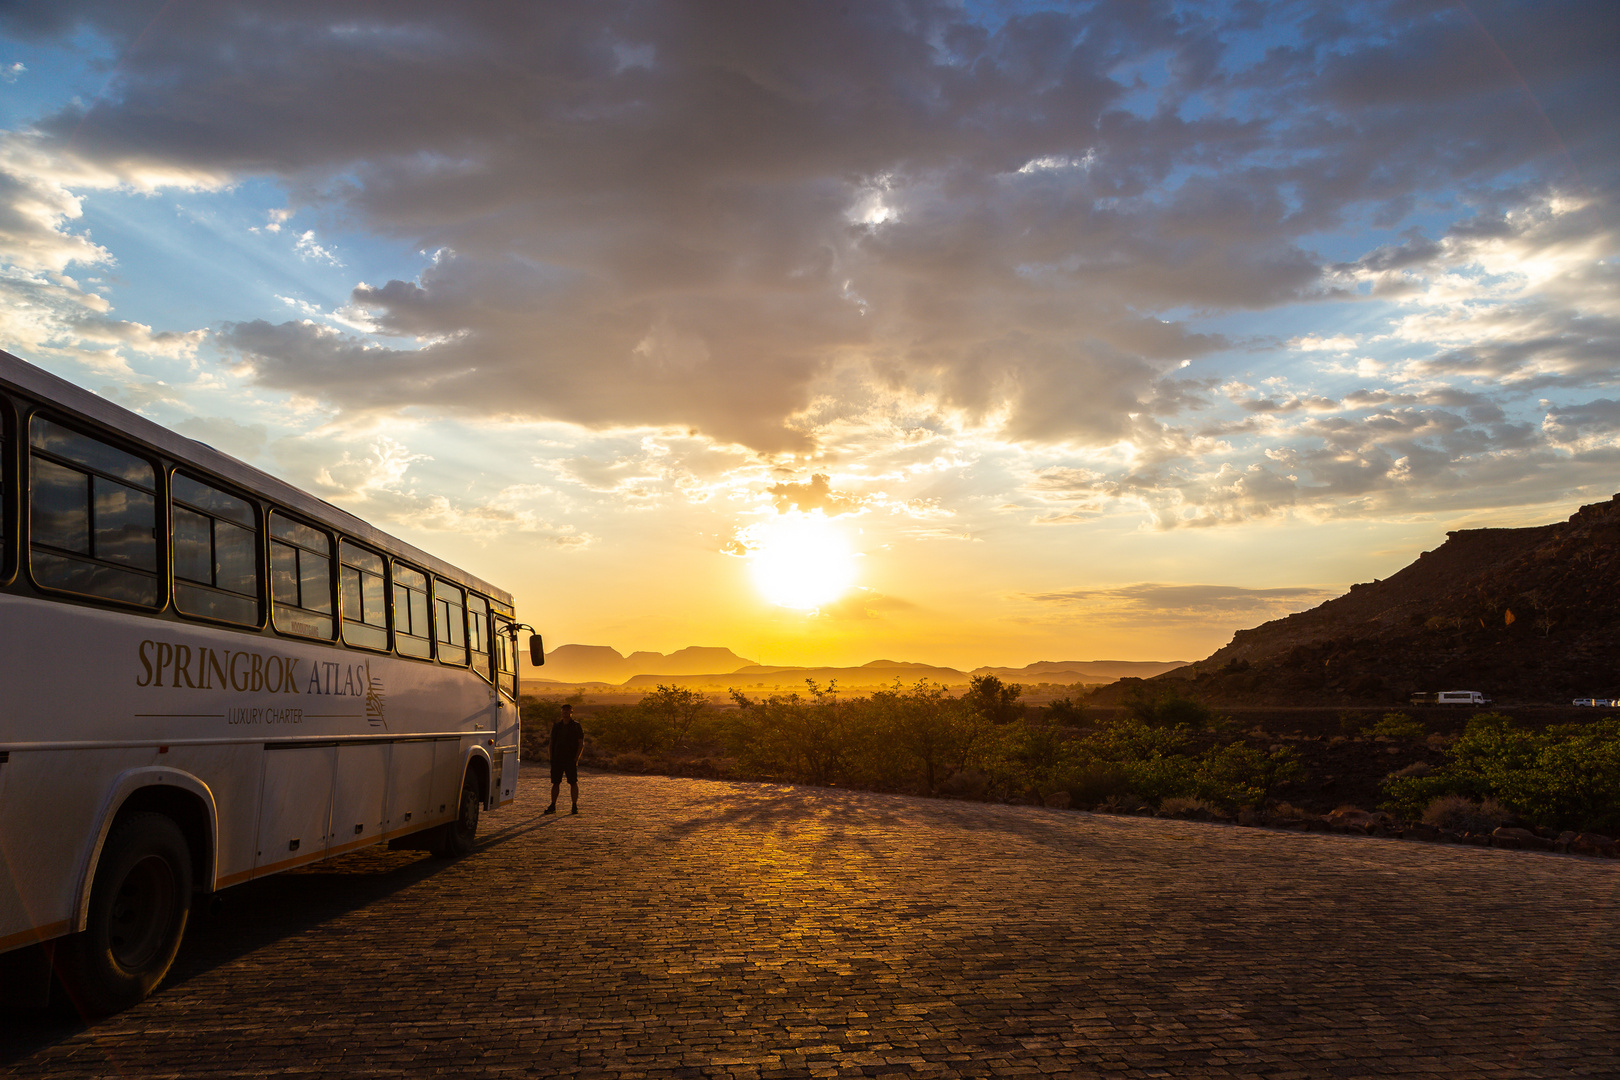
139,903
457,838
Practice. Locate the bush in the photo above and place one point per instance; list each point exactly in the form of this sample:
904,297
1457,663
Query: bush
1065,710
1462,814
1238,774
1169,708
967,784
673,712
1564,777
1093,782
1181,806
992,700
1399,726
626,728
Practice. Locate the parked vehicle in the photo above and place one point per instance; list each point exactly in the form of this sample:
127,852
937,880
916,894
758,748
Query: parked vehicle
210,676
1449,697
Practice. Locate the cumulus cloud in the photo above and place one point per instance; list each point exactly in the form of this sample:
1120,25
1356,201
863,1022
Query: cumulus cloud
814,494
790,229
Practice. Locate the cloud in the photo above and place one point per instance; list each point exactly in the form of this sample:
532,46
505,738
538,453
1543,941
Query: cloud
1189,601
814,494
901,234
1312,343
245,441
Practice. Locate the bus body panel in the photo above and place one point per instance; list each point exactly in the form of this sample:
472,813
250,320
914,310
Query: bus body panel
294,750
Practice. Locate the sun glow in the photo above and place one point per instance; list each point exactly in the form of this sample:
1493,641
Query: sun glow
800,561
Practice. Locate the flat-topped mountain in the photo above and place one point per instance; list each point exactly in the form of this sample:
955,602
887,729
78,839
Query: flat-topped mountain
599,663
1524,615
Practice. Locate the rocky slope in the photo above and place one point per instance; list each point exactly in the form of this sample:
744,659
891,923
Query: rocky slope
1525,615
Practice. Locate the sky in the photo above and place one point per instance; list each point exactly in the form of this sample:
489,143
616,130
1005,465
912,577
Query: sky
959,333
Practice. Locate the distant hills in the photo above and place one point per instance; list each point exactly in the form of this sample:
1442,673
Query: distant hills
719,667
599,663
1524,615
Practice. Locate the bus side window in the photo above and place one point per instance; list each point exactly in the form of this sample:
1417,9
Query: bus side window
300,578
92,517
450,622
411,633
505,665
478,633
365,599
216,552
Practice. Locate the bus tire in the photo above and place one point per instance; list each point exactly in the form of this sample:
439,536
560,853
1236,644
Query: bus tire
139,903
458,838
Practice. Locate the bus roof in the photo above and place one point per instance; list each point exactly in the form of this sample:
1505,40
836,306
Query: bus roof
42,384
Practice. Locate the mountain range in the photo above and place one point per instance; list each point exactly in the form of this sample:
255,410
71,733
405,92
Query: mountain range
714,666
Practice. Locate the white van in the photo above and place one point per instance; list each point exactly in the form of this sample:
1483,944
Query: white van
1461,697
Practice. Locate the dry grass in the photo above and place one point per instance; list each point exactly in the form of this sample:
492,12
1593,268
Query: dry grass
1177,806
1462,814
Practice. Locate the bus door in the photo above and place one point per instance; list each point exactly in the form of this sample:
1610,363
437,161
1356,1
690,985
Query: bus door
507,724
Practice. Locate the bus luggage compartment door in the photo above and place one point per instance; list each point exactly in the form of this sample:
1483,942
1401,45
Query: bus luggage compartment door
295,811
360,790
410,785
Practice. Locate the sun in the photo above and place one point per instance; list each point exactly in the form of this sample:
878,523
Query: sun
800,561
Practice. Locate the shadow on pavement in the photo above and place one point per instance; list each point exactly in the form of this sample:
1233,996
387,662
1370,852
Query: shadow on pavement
237,921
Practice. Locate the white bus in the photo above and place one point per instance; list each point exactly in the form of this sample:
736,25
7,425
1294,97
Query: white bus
208,676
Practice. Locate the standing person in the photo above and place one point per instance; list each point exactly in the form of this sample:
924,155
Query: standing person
567,744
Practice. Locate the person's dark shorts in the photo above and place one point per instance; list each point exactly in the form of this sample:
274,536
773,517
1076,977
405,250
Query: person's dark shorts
560,769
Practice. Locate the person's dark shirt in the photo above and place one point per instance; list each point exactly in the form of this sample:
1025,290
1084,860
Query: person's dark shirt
567,737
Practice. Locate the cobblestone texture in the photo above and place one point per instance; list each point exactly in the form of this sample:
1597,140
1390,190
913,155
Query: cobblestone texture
684,928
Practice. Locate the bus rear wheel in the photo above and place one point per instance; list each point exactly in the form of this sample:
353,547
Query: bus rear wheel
458,837
139,903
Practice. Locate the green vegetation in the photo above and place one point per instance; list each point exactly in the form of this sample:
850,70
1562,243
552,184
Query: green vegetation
918,738
1564,777
1399,726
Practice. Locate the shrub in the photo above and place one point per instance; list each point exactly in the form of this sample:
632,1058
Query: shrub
993,700
933,732
1399,726
1181,806
1065,710
621,728
1169,708
631,762
967,784
1564,777
1462,814
1238,774
672,713
1092,782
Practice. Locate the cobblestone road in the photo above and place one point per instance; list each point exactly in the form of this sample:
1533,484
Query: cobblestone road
692,928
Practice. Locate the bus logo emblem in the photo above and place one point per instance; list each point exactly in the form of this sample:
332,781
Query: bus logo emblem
374,699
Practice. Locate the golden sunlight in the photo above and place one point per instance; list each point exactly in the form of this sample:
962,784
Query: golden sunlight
800,561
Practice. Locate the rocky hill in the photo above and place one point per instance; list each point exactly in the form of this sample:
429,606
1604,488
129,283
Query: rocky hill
1524,615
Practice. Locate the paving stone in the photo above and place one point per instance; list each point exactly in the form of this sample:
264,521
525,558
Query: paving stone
687,928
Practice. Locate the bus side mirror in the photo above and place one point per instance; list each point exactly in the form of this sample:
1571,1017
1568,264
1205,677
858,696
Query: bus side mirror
537,651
